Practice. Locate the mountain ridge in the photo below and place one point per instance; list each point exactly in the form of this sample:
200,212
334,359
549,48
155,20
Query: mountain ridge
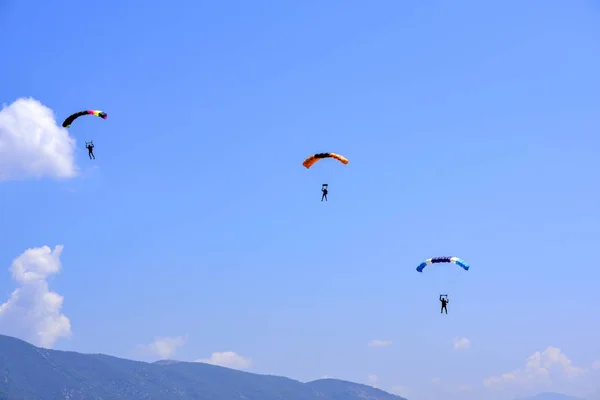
30,372
551,396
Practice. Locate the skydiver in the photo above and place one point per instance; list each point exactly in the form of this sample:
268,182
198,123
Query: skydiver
444,302
90,147
324,196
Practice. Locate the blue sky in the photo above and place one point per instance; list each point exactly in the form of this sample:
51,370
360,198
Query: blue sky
471,128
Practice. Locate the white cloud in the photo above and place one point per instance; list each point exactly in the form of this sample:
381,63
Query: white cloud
436,380
32,312
163,347
372,379
401,391
227,359
461,343
540,367
596,365
379,343
32,144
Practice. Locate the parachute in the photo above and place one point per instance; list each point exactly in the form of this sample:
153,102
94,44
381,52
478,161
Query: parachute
435,260
316,157
67,123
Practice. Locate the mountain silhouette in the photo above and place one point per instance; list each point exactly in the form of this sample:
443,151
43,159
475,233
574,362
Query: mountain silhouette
28,372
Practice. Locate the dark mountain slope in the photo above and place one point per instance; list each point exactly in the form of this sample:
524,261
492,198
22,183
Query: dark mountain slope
336,389
28,372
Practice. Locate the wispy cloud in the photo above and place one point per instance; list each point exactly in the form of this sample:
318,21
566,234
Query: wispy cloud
400,390
461,343
33,312
379,343
229,359
373,380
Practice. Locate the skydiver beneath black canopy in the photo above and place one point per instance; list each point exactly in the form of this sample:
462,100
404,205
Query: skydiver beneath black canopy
90,147
445,301
325,191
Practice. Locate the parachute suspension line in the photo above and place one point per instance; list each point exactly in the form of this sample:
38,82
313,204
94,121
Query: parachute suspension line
441,277
324,170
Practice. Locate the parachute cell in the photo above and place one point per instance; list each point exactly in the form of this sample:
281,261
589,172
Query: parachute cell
319,156
67,122
435,260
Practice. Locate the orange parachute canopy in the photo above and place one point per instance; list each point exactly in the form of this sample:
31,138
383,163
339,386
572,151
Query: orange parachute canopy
316,157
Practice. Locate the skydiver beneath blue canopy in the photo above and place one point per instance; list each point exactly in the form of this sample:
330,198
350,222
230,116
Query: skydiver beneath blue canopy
445,301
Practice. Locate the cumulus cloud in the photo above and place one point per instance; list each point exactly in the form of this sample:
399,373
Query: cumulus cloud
32,144
163,347
229,359
379,343
461,343
539,367
33,312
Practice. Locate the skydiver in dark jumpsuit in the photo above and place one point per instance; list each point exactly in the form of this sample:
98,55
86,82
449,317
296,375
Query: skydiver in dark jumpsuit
90,147
324,190
444,302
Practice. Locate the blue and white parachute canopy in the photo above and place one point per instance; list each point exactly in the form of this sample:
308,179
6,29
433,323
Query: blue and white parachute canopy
435,260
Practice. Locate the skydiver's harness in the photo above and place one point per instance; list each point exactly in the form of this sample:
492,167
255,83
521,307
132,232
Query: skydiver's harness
89,145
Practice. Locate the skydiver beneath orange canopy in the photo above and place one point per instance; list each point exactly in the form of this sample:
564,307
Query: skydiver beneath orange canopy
325,191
